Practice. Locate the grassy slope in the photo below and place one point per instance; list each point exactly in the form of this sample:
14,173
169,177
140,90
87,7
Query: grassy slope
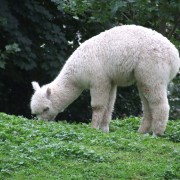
31,149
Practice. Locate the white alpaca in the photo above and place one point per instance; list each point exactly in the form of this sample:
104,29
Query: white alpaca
120,56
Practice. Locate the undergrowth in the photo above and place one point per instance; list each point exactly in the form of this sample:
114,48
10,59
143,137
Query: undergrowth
31,149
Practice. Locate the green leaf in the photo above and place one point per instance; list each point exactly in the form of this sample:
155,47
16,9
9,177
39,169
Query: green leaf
2,64
12,48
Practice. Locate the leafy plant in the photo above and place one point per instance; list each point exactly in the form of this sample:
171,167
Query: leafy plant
37,149
9,50
38,36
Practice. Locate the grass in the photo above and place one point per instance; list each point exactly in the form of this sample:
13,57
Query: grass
31,149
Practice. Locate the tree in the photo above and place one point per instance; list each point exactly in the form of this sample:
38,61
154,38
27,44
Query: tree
38,36
33,46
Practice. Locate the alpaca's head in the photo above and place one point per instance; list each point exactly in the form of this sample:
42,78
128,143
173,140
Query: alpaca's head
41,102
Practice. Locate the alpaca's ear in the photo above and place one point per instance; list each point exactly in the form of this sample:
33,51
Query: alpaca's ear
35,85
48,92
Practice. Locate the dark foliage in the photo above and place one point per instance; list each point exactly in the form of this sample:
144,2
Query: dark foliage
33,47
36,37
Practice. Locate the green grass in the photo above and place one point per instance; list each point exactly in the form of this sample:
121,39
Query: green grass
31,149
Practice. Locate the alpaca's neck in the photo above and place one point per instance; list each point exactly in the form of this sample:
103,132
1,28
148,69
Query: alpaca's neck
65,91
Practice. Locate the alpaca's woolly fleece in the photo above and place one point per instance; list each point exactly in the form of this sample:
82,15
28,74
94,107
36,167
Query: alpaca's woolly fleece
120,56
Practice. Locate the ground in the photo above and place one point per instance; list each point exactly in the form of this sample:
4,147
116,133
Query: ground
32,149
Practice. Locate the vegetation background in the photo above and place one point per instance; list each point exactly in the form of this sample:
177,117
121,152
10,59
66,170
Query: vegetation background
36,38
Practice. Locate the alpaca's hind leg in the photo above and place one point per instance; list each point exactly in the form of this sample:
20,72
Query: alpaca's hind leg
99,102
159,108
147,118
108,113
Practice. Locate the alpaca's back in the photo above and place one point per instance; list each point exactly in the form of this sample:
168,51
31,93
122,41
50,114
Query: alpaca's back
117,53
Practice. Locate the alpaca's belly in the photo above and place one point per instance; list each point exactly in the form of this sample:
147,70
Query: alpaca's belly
123,77
124,81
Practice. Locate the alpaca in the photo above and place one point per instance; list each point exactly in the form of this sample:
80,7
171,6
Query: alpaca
120,56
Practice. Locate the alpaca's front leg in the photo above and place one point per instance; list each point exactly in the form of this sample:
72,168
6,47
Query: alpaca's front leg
99,102
108,113
97,117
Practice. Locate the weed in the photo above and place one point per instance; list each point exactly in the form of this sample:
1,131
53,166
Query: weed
37,149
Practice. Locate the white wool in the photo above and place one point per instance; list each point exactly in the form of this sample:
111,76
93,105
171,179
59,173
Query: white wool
120,56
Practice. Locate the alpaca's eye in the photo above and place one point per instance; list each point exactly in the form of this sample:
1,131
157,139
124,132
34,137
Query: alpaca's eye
46,109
